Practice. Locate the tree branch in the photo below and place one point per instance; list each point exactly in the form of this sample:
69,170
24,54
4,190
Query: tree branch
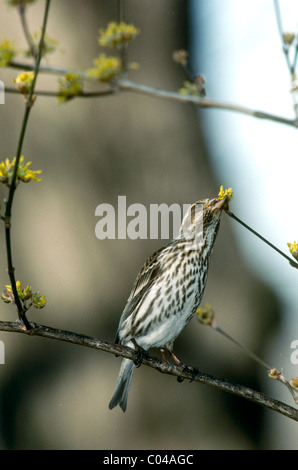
43,68
170,369
54,94
129,85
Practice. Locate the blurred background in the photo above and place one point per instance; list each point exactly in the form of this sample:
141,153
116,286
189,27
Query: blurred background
55,395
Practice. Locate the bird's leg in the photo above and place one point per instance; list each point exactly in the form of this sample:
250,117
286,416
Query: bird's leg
194,370
175,358
140,353
162,350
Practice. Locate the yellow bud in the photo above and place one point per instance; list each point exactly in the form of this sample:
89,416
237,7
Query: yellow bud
24,82
227,193
206,315
294,383
293,248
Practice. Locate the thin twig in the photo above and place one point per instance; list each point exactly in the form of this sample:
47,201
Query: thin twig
122,47
22,12
129,85
292,263
278,18
54,94
285,47
42,68
258,360
120,10
12,187
286,50
161,366
244,348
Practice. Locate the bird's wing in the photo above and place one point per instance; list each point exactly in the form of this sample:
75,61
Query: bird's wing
148,273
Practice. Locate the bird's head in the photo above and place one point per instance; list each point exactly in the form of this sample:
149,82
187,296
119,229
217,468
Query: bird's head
201,221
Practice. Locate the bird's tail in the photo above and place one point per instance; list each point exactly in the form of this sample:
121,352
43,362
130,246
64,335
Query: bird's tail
120,394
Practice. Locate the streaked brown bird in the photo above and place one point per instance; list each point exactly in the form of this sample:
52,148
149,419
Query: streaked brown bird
168,290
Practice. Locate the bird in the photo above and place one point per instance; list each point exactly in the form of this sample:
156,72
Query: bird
167,291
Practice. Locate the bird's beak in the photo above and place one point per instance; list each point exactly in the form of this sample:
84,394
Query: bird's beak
218,205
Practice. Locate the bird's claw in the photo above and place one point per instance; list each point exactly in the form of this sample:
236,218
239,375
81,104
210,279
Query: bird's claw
140,354
194,372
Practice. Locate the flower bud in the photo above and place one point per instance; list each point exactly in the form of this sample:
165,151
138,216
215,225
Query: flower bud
6,297
227,193
274,374
294,383
180,57
206,315
288,38
24,82
38,301
293,248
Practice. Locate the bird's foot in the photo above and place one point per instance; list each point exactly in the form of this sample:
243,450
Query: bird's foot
194,372
185,368
140,353
191,369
